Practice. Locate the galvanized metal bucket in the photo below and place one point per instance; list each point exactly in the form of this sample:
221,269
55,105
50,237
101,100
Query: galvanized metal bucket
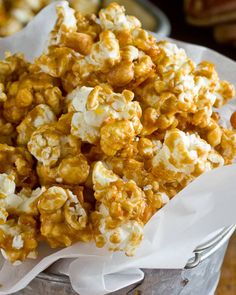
199,277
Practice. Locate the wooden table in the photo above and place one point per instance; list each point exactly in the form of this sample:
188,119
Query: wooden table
227,284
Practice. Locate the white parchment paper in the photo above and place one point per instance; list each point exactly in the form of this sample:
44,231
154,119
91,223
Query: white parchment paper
207,204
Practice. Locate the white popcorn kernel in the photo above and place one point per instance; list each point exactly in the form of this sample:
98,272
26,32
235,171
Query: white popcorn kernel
113,18
147,187
165,199
130,234
17,242
102,176
7,184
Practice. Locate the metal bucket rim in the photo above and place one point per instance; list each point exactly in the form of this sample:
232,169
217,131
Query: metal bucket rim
202,252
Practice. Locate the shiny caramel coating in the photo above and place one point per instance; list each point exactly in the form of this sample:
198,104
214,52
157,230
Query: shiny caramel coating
101,131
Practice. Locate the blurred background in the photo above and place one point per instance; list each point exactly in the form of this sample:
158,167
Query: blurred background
210,23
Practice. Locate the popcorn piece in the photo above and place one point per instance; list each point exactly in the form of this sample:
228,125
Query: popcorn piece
17,162
113,18
40,115
125,237
132,169
18,239
48,144
118,221
7,185
7,131
59,156
7,188
25,202
57,61
123,73
63,219
72,170
44,145
114,136
104,54
183,156
95,107
227,146
80,42
66,23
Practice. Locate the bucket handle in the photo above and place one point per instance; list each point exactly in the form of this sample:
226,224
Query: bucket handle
205,250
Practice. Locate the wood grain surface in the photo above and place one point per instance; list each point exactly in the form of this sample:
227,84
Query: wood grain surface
227,284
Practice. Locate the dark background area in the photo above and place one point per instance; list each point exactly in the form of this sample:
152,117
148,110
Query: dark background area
182,31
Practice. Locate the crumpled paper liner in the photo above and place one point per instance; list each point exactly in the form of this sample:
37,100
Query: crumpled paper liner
204,206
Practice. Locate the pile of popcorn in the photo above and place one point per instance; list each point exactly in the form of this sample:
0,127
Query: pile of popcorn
100,132
15,14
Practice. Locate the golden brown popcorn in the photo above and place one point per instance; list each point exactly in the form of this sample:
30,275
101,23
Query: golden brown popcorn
65,24
180,92
44,145
118,219
57,61
17,204
7,197
80,42
144,41
7,131
71,170
12,67
73,111
227,146
18,228
131,169
17,161
182,157
59,156
18,239
40,115
113,18
116,135
123,73
30,90
96,107
63,218
104,54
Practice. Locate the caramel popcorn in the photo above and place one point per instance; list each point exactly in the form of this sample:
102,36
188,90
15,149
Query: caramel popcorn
119,216
18,239
59,157
40,115
63,219
101,113
17,162
101,131
183,156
